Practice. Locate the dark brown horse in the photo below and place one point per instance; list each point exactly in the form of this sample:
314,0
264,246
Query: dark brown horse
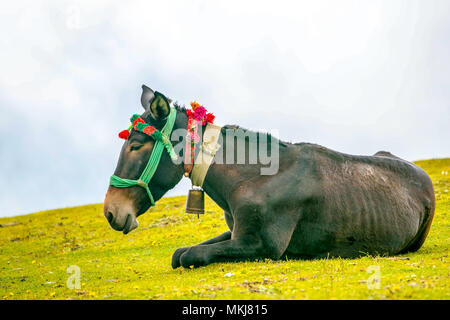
320,203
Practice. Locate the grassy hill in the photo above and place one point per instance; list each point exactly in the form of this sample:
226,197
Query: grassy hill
37,249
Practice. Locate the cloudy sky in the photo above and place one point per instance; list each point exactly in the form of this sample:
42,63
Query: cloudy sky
354,76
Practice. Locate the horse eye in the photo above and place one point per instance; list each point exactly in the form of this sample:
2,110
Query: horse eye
135,147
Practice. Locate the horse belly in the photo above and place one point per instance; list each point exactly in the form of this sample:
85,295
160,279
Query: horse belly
361,211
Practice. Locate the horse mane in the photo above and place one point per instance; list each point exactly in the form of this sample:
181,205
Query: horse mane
182,108
248,131
179,107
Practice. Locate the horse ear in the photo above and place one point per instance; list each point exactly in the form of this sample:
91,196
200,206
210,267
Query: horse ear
146,97
160,106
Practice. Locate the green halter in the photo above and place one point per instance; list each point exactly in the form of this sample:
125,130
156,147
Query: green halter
153,162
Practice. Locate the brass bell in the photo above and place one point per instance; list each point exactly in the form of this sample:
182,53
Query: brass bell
195,202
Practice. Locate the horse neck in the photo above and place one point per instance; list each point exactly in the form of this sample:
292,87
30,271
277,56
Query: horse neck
222,178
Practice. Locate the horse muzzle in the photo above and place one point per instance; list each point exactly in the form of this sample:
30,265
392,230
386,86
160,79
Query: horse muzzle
121,217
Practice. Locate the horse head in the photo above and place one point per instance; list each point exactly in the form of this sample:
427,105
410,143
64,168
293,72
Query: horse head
125,202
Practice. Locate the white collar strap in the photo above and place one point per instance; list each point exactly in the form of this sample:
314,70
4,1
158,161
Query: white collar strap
206,154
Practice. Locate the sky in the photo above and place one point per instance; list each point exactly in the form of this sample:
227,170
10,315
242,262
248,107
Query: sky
353,76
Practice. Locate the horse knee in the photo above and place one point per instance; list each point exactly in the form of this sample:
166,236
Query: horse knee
273,251
263,248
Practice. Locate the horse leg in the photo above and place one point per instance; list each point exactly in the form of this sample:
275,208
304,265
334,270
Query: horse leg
176,256
254,237
228,250
229,220
224,236
247,247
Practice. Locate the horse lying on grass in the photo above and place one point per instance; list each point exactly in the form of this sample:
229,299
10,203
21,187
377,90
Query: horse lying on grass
319,203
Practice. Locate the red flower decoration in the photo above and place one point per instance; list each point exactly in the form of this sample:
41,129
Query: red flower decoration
210,118
199,114
149,130
137,121
125,134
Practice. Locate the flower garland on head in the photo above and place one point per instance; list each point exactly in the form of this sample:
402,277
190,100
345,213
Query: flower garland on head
197,116
140,125
200,114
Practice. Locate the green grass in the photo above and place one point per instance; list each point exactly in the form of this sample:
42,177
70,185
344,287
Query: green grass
36,252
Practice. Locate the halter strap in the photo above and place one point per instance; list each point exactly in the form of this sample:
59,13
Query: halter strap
152,163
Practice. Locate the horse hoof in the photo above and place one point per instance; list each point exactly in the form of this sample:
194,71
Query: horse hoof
176,257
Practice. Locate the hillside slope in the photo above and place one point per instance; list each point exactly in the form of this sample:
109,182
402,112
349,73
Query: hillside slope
36,251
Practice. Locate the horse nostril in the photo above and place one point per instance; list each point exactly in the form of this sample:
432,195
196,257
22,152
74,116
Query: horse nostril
109,217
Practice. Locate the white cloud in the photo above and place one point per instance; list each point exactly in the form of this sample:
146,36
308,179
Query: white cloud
350,75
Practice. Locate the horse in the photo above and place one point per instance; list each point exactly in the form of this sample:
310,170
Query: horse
319,204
